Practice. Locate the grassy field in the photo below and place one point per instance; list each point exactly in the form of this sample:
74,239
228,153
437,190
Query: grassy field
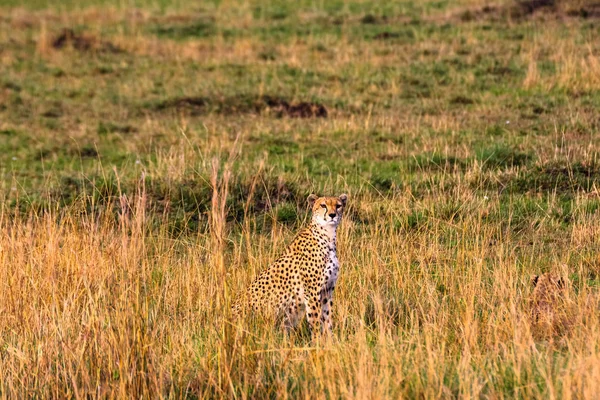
155,155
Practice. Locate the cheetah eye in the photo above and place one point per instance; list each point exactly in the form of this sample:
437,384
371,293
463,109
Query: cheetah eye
338,206
323,205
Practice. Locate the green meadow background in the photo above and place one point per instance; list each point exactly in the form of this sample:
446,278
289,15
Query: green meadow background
156,155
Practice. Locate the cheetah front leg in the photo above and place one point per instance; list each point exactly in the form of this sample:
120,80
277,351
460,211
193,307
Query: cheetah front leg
326,310
294,312
314,312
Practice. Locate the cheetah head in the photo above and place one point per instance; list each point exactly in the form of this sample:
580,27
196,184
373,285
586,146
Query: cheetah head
547,288
327,211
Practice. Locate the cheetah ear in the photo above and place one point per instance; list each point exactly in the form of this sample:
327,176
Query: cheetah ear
560,283
534,280
343,198
311,200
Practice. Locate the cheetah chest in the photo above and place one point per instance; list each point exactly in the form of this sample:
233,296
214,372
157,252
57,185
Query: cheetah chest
332,268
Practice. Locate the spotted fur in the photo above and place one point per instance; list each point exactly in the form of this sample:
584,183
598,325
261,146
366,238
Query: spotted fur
302,280
549,306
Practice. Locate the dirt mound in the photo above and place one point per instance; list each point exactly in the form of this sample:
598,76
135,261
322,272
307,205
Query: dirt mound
193,105
591,10
82,42
524,9
298,110
243,105
386,35
570,8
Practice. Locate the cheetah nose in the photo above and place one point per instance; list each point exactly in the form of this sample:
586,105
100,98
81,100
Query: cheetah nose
333,215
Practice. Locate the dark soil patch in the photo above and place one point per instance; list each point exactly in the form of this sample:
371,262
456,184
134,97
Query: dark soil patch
565,179
110,127
591,10
193,105
475,14
461,100
370,19
68,38
559,8
386,35
184,204
11,86
244,104
8,132
82,42
523,9
517,10
88,151
52,113
298,110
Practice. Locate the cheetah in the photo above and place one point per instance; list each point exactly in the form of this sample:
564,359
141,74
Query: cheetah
549,306
302,280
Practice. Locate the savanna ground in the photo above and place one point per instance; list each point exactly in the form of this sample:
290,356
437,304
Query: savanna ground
154,155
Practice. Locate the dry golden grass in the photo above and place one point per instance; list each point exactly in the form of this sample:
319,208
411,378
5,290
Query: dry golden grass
98,307
464,135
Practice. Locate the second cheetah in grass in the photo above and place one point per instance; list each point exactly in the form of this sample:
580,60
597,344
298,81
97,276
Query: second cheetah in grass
302,280
549,306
